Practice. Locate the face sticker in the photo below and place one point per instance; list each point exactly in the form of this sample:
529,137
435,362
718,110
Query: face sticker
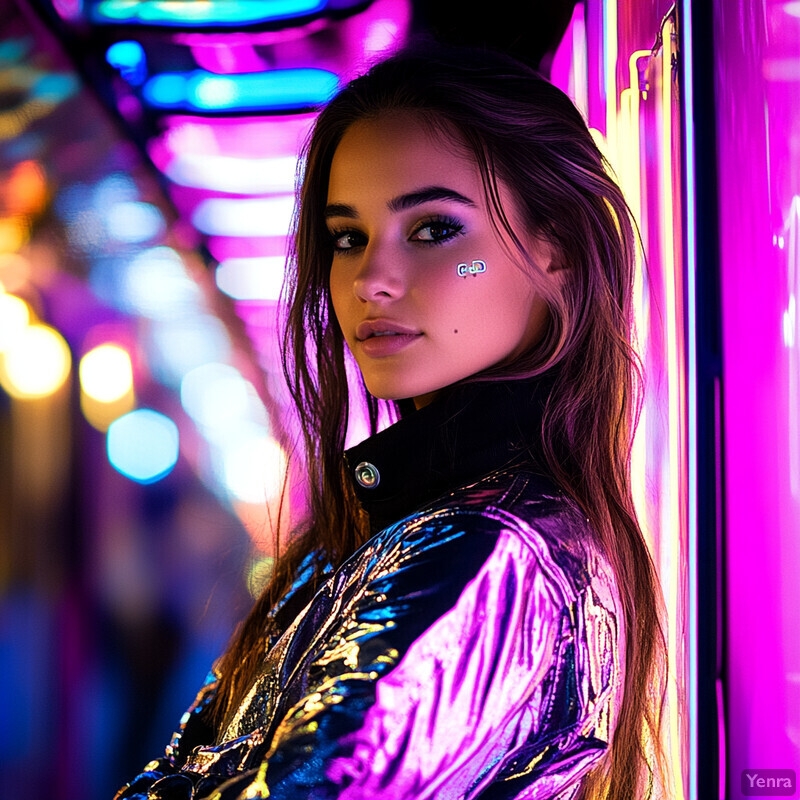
462,270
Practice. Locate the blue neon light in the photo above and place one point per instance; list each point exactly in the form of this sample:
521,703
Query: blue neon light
128,57
211,13
275,90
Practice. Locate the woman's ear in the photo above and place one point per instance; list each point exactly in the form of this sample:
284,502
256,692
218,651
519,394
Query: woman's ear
549,260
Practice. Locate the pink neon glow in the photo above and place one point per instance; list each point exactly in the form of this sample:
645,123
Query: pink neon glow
757,50
227,57
255,137
432,740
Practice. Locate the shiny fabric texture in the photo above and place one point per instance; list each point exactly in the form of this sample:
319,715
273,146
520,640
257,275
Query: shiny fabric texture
470,649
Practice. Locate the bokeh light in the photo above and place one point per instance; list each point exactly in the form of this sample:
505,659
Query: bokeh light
156,285
253,468
134,222
177,346
216,396
105,373
14,318
36,363
143,445
251,278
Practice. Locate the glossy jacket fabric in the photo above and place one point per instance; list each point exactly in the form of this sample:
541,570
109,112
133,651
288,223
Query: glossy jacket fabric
470,649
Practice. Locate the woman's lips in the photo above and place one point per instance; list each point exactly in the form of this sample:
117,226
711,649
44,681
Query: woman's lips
382,337
387,344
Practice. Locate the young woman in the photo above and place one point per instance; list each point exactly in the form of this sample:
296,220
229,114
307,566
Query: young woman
471,611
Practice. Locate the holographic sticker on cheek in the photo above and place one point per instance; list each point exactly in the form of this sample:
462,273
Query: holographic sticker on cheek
462,270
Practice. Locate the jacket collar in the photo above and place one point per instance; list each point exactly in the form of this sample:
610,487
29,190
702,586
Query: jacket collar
465,434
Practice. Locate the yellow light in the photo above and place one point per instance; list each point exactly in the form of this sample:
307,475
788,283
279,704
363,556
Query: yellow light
14,233
105,373
14,318
36,364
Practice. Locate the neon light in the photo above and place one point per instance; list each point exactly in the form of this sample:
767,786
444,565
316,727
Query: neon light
128,57
143,445
790,339
382,36
167,90
262,216
210,13
234,175
279,89
676,346
691,378
252,278
610,70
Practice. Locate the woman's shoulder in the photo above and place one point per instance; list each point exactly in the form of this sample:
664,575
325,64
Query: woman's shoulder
516,508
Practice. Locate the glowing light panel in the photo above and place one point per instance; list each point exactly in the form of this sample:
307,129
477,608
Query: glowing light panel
261,216
143,445
231,174
202,14
278,89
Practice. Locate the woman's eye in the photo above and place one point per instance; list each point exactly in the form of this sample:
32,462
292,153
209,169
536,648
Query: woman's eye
437,231
346,240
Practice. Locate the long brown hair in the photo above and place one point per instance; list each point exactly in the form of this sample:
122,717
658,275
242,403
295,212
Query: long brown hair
525,133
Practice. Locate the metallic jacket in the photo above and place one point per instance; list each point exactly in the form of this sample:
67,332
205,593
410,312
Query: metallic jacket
471,648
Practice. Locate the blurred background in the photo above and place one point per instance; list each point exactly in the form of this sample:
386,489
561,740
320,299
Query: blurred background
148,157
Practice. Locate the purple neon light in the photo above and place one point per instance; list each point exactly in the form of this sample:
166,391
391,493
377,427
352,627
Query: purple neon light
757,83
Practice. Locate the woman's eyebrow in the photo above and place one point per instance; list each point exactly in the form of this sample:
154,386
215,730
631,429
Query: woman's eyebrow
404,201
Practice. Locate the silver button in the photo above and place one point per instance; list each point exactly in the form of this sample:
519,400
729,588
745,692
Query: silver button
367,475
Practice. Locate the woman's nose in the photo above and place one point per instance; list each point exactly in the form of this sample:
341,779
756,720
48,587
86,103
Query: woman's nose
379,277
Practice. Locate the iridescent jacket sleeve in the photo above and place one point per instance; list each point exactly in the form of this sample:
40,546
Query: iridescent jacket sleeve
464,652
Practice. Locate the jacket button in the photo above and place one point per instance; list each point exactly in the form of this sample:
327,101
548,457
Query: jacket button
367,475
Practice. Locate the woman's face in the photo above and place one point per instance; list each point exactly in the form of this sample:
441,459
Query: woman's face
425,290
